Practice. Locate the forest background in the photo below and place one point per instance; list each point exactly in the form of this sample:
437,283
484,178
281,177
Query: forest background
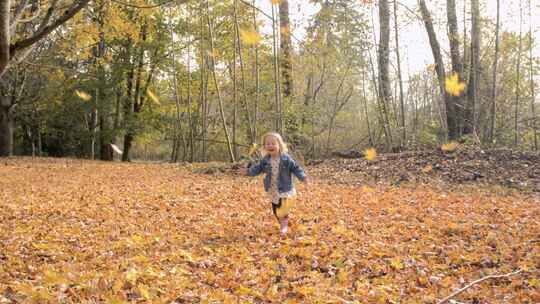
202,80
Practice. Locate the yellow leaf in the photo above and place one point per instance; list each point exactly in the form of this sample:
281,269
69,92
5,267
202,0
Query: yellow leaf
367,189
118,285
52,278
83,95
115,300
141,259
243,291
152,97
449,147
370,154
132,275
306,290
340,229
535,283
144,291
275,2
396,263
454,86
285,31
250,37
427,169
253,149
342,276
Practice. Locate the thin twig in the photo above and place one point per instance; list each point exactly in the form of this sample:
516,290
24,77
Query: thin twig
146,6
492,276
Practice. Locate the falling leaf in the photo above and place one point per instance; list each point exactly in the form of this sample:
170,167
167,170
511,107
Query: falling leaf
152,96
253,149
370,154
454,86
250,37
285,31
83,95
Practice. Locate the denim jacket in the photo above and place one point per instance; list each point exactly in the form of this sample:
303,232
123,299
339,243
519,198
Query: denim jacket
287,167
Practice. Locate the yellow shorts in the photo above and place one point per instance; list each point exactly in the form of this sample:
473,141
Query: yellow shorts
283,208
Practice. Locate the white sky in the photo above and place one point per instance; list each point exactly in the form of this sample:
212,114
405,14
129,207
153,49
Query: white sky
413,37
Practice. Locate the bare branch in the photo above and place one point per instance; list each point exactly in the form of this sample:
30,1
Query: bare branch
489,277
4,35
22,44
16,16
47,17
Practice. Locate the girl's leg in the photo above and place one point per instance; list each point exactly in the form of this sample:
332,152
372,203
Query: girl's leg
284,225
283,221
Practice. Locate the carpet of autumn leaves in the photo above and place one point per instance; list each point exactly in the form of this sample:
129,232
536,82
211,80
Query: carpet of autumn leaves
76,231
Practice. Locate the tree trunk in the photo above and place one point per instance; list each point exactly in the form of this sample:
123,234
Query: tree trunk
494,83
189,102
364,97
4,47
455,103
251,133
6,127
203,88
531,80
439,68
385,93
235,84
518,76
285,44
474,75
401,101
213,70
257,78
277,81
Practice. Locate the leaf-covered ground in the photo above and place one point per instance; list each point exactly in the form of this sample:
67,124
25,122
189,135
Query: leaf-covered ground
467,165
76,231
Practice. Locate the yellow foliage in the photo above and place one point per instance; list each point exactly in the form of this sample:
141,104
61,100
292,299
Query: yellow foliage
454,86
275,2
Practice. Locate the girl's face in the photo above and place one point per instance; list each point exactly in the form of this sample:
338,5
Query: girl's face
271,145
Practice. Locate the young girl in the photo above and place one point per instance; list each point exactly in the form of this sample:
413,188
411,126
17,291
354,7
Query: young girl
278,183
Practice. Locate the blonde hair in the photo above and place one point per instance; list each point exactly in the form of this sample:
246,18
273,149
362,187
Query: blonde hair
282,145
